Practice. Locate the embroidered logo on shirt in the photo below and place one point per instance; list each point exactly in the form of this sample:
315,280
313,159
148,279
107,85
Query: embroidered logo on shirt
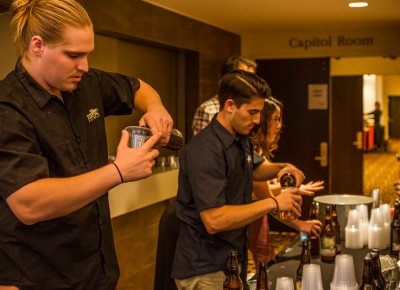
93,114
249,159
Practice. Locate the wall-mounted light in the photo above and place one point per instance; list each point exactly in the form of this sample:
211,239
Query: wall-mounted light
358,4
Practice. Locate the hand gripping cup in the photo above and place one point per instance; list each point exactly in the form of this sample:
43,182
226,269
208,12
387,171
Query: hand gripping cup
138,135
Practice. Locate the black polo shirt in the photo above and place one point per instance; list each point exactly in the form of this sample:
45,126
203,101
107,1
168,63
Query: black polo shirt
215,169
41,137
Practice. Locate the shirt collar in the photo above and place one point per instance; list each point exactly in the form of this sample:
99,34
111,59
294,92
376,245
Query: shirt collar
40,96
224,135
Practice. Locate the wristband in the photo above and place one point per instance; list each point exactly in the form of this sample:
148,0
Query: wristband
119,172
276,211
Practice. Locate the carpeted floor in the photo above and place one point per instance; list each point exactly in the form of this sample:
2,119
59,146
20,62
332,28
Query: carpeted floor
381,169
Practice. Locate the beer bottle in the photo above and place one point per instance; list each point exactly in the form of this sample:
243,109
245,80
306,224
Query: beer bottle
176,140
262,279
234,282
336,224
395,230
328,238
377,277
305,259
287,181
314,239
366,281
232,260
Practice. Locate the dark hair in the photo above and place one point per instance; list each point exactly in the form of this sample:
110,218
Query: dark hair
259,136
241,86
234,62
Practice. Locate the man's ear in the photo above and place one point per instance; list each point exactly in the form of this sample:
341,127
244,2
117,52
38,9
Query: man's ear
37,45
230,105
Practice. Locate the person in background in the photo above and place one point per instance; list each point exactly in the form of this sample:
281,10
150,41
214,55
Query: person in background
378,134
397,187
265,140
55,225
217,168
206,111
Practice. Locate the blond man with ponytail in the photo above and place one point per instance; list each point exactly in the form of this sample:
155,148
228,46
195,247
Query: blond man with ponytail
55,227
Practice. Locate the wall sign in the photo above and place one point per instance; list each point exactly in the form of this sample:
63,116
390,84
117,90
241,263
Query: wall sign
338,41
317,96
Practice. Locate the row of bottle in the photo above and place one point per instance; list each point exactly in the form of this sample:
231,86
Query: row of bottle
323,244
233,280
372,273
328,243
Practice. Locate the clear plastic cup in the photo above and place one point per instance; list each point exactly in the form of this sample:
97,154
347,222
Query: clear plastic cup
284,283
353,231
312,279
344,277
362,211
376,230
253,284
138,135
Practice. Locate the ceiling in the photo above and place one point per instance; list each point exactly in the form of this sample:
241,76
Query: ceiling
251,16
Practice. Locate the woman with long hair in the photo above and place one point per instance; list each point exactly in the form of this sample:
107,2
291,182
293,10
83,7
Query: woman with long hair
265,140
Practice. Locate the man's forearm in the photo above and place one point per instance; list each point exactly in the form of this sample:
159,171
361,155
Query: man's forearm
268,170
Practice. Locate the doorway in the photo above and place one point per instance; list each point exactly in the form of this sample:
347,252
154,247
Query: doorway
394,117
385,171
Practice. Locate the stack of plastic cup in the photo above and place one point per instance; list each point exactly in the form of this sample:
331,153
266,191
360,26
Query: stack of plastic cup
376,230
284,283
376,197
362,211
353,235
344,277
312,279
385,208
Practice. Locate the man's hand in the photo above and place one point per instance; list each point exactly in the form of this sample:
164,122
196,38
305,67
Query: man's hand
158,120
136,163
290,200
298,174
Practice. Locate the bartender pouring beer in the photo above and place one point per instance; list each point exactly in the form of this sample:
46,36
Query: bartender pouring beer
55,227
217,169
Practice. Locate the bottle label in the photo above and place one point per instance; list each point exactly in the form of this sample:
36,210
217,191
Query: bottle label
327,252
328,243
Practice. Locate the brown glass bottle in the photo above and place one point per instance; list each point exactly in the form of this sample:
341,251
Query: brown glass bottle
327,249
377,277
395,230
262,279
304,259
234,282
314,239
366,281
336,224
287,181
232,260
175,142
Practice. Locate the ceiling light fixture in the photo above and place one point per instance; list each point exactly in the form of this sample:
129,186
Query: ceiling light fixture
358,4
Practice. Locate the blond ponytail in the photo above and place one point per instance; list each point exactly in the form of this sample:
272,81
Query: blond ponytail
45,18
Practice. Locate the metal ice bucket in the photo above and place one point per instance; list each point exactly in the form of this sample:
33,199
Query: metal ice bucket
344,203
